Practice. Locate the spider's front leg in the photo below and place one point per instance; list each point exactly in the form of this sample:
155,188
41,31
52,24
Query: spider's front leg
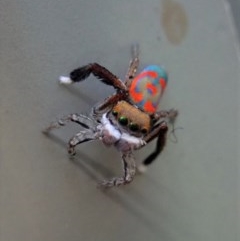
159,132
129,168
105,76
107,104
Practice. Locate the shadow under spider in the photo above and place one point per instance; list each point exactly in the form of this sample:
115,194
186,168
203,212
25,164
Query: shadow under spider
87,164
133,202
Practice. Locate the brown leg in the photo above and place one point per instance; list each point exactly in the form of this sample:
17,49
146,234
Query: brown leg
160,131
110,101
99,71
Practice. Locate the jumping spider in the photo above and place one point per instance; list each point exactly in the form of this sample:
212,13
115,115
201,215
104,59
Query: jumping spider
128,119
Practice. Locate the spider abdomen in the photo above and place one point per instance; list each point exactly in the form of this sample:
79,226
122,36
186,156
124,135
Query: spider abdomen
147,88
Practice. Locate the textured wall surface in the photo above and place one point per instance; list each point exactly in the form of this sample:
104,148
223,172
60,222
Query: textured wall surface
190,193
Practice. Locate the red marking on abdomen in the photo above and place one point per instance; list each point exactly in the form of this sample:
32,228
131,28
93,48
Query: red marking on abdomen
138,96
148,106
163,83
152,88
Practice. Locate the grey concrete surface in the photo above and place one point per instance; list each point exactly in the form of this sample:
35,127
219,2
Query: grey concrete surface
190,193
235,6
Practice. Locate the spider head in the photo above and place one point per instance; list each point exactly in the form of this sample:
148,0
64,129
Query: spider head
131,119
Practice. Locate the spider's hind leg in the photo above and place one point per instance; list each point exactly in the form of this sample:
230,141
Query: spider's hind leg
82,136
133,65
129,168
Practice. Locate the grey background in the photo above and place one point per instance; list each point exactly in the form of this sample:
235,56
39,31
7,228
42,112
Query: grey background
190,193
235,6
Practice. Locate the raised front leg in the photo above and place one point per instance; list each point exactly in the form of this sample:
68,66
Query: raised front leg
129,168
97,70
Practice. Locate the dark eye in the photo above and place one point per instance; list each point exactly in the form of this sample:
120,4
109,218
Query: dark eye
114,112
144,131
133,127
123,120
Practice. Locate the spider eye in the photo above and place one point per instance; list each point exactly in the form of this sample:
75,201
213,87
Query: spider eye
123,120
133,127
144,131
114,112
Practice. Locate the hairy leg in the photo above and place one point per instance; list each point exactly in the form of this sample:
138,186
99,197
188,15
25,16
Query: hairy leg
97,70
168,115
129,168
160,132
80,119
133,65
79,138
158,129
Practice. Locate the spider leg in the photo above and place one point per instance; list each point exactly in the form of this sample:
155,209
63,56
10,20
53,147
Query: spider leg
169,115
79,138
99,71
80,119
106,105
160,131
110,101
129,168
133,65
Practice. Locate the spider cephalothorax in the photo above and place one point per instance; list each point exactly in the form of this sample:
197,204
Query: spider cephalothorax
128,119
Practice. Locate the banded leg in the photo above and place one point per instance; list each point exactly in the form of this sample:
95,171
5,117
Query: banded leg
99,71
160,132
133,65
129,168
169,115
79,138
80,119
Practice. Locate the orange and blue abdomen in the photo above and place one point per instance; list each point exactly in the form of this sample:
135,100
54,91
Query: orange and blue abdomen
147,88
